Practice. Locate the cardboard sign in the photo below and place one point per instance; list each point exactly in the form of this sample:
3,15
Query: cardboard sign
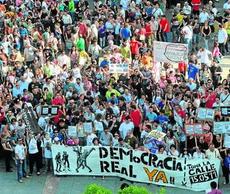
205,114
118,68
170,52
72,131
222,127
49,110
88,127
225,111
158,135
195,129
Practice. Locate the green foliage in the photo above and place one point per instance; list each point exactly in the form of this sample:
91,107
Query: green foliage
96,189
134,190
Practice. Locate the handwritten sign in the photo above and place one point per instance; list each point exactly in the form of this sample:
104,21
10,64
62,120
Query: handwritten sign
205,114
72,131
225,110
88,127
195,129
170,52
221,127
118,68
158,135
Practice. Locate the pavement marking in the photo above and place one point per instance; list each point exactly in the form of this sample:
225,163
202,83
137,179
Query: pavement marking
51,184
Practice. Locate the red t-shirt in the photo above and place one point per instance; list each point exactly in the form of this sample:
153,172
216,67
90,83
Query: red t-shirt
211,100
182,67
148,29
165,26
136,117
194,6
134,47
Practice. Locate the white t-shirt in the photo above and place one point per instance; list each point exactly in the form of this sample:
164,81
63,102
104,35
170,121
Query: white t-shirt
188,32
33,148
47,148
20,151
125,128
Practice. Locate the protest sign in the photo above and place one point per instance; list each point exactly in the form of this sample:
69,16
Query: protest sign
158,135
88,127
72,131
205,114
227,140
170,52
195,129
118,68
225,111
49,110
221,127
136,166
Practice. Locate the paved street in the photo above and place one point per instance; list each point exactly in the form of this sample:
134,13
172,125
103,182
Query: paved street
49,184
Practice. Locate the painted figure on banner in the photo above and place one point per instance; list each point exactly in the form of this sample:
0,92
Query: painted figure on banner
82,158
58,162
65,160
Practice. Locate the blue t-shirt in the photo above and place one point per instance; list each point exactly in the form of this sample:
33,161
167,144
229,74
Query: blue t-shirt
125,33
192,71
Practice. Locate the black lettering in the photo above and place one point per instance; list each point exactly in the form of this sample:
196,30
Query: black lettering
128,153
113,153
143,159
166,160
124,171
191,172
103,152
115,166
131,174
104,166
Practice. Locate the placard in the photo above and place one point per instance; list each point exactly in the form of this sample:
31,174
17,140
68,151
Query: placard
195,129
88,127
225,111
158,135
170,52
227,140
49,110
118,68
221,127
205,114
72,131
134,165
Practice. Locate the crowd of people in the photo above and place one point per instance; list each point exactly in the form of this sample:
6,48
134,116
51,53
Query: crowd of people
58,53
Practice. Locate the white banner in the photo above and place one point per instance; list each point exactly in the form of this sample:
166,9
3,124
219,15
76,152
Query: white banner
170,52
135,166
118,68
221,127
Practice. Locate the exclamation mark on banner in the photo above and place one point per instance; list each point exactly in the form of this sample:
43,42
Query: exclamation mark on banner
184,183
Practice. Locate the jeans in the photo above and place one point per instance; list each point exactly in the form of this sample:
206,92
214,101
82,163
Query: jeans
188,41
102,41
206,43
195,40
21,168
167,36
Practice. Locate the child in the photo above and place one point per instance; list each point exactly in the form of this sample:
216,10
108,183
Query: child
216,52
